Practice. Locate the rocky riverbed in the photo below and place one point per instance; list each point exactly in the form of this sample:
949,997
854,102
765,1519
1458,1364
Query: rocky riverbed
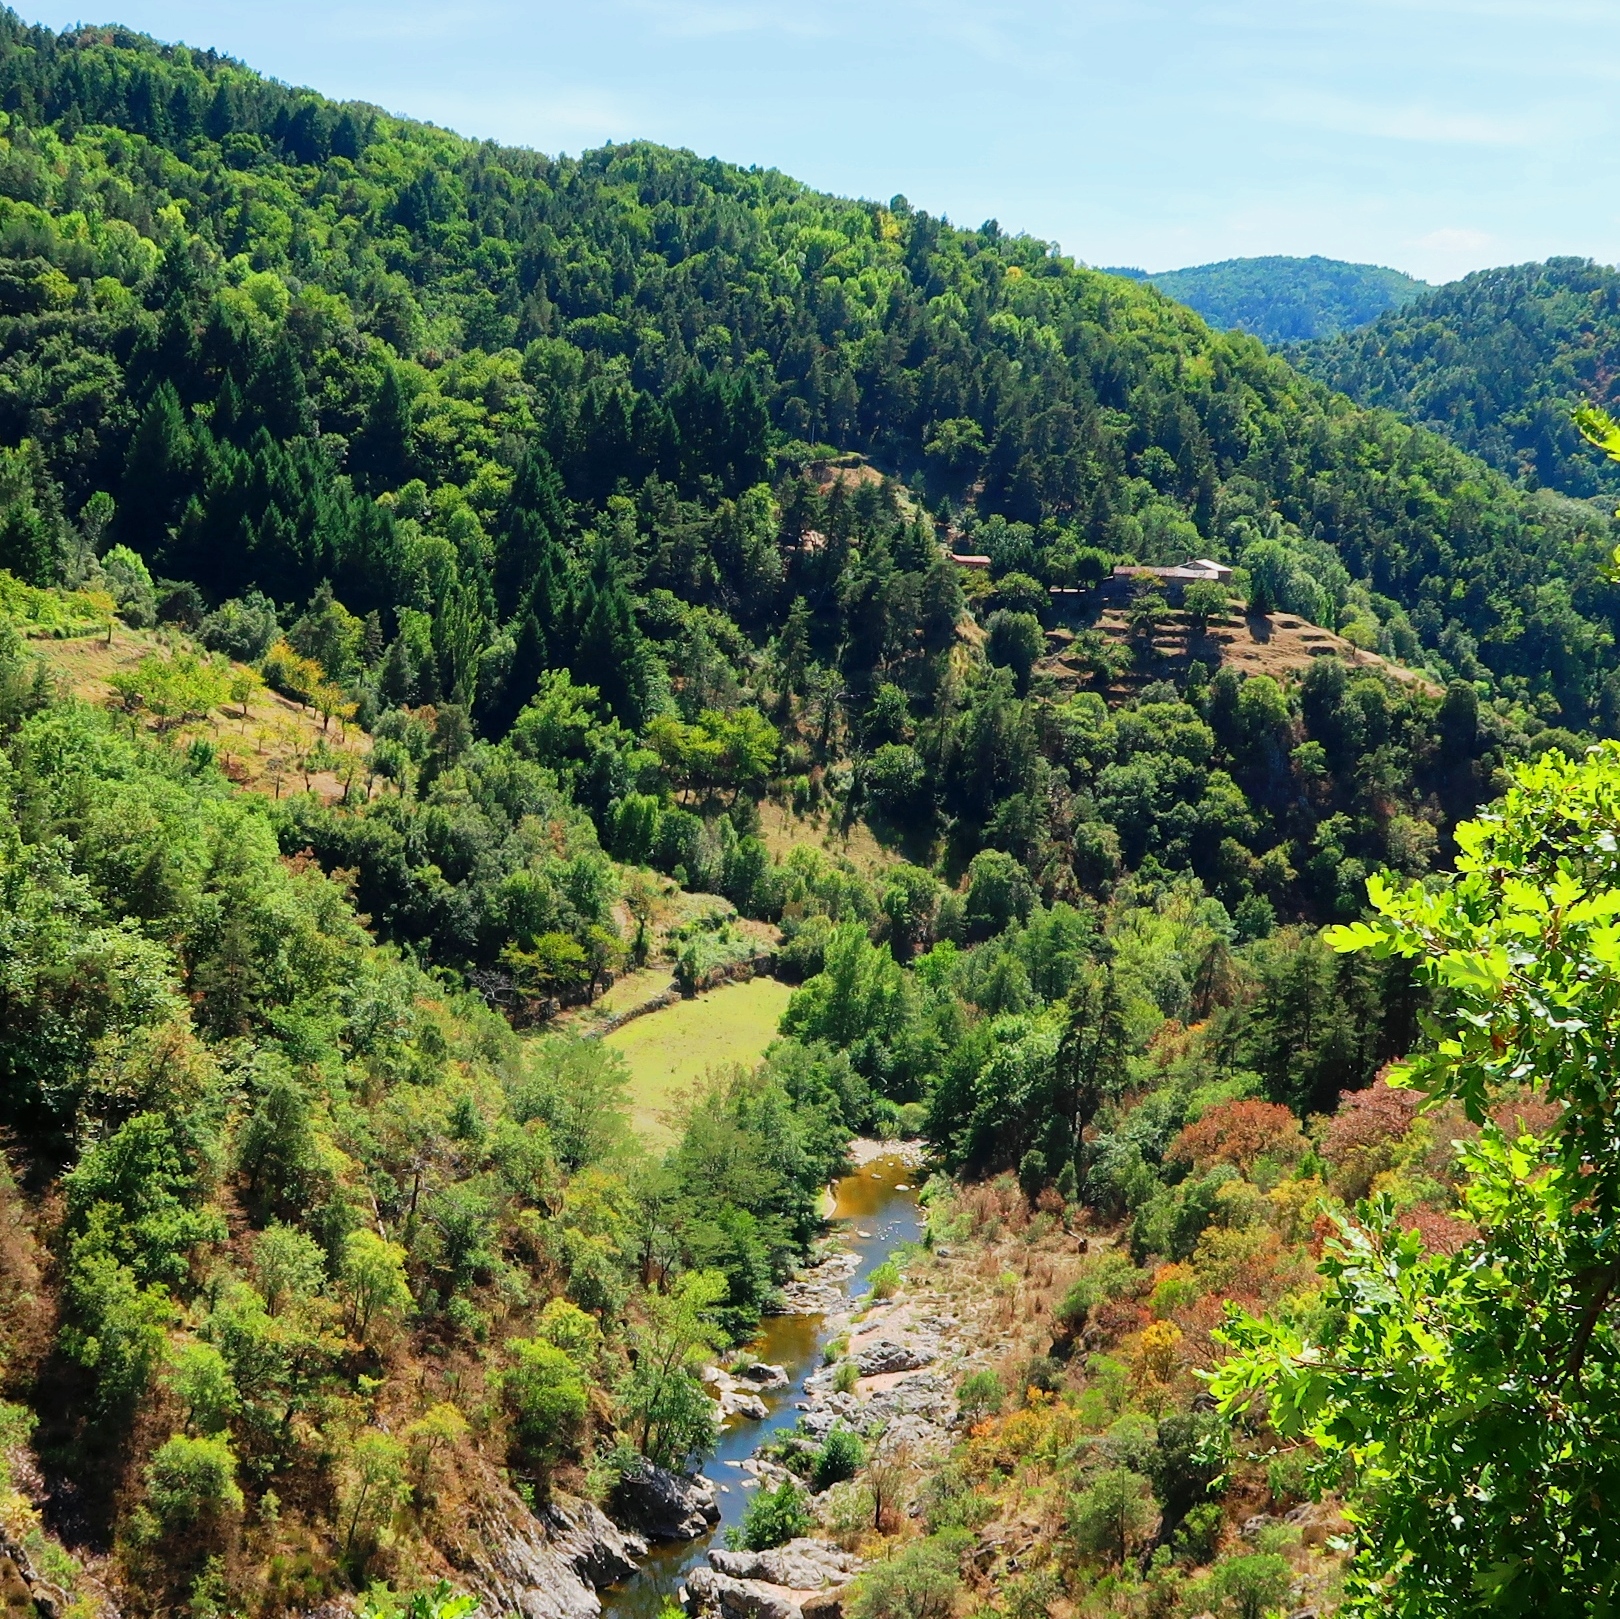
660,1536
908,1352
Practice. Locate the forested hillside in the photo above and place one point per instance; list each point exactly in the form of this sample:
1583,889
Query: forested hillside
1286,300
1497,362
598,521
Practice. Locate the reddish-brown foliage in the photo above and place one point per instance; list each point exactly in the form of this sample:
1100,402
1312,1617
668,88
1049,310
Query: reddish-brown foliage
1358,1144
1238,1133
1532,1116
1439,1232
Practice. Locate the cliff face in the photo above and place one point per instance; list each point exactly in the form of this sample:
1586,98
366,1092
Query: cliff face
546,1564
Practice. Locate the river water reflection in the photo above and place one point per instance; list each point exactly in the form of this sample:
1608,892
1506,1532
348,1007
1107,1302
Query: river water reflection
876,1216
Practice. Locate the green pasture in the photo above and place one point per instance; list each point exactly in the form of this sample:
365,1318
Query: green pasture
672,1049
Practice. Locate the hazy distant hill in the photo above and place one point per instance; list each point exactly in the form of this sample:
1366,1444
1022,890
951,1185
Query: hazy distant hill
1496,362
1285,300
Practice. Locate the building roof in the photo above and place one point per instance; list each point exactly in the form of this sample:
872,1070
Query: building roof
1188,573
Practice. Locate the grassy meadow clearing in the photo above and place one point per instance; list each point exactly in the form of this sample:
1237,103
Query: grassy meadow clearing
672,1049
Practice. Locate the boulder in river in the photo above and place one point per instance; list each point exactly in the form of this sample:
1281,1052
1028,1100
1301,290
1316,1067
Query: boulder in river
802,1565
762,1375
719,1596
662,1505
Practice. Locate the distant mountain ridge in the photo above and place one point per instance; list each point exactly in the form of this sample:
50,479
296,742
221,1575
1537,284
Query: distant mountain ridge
1285,300
1496,362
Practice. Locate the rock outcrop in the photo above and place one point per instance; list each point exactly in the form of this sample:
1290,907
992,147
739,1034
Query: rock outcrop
662,1505
547,1564
885,1356
801,1580
22,1585
802,1565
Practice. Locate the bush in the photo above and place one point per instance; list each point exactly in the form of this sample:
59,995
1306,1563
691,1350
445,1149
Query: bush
1112,1517
192,1481
546,1399
241,629
980,1396
846,1377
839,1458
1014,640
1107,1276
1200,1533
772,1518
884,1282
1248,1586
919,1582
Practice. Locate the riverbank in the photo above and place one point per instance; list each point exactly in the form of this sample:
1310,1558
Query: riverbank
875,1214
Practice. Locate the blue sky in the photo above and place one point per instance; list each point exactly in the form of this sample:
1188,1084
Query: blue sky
1438,136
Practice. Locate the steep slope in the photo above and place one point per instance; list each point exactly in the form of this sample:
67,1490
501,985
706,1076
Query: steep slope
1287,300
296,341
1496,362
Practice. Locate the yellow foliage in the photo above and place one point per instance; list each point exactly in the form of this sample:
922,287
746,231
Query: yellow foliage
1174,1286
292,674
1158,1353
1295,1205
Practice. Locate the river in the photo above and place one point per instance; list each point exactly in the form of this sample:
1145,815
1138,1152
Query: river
874,1216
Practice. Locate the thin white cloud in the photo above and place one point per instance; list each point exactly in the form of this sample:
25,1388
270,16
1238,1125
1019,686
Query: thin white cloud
1413,121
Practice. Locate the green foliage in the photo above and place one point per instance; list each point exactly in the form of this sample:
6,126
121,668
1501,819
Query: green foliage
547,1400
884,1282
1416,1385
668,1411
1250,1586
918,1581
201,1380
980,1395
839,1458
374,1483
772,1518
438,1601
373,1282
1287,300
1497,362
192,1482
1112,1515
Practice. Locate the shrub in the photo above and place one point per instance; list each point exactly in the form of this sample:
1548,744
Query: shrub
980,1396
1014,640
772,1518
1106,1276
1362,1139
919,1582
839,1458
846,1377
884,1282
192,1481
1112,1517
202,1382
546,1399
1238,1133
1200,1533
1248,1586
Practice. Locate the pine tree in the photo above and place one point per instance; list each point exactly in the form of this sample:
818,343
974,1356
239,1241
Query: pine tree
528,556
522,679
610,652
379,457
277,394
155,473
